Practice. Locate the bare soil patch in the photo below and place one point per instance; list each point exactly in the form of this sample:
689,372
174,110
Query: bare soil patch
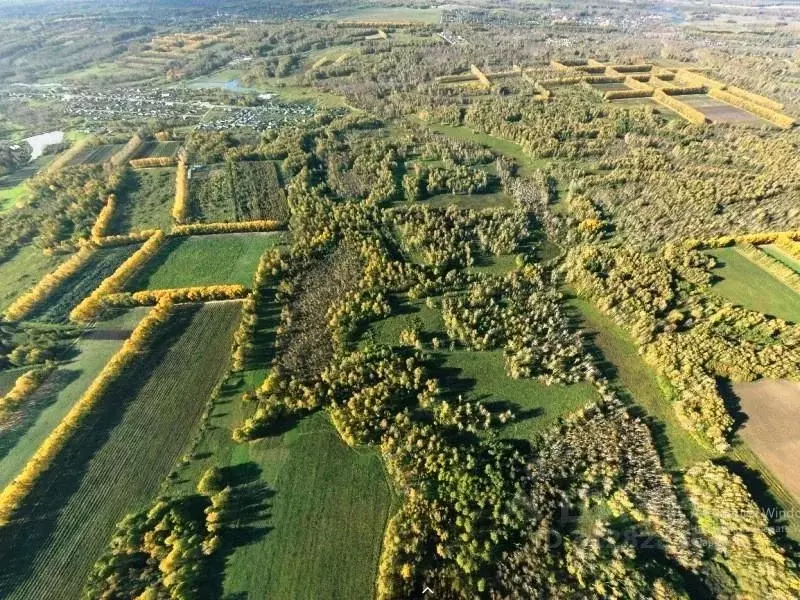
772,427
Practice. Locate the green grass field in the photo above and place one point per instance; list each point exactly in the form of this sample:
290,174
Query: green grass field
500,145
746,284
116,462
145,201
22,271
473,201
48,405
227,258
104,262
494,265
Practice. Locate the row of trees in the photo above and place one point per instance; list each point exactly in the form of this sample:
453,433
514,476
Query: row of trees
206,293
242,227
26,303
180,209
25,385
91,306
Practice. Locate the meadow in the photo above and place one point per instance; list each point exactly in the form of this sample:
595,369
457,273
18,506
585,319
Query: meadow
116,462
389,14
227,258
746,284
474,201
10,195
145,200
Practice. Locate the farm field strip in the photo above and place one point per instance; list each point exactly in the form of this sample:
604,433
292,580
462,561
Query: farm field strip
95,154
721,112
31,425
145,201
781,256
772,410
115,464
67,296
307,475
155,149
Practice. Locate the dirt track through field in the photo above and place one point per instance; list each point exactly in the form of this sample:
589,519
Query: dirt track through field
772,428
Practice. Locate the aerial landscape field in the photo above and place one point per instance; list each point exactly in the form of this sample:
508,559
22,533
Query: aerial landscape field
384,300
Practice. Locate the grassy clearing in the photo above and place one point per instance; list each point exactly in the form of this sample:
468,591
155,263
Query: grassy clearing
482,375
145,200
473,201
102,264
498,144
48,405
494,265
115,464
746,284
22,271
640,386
536,406
227,258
